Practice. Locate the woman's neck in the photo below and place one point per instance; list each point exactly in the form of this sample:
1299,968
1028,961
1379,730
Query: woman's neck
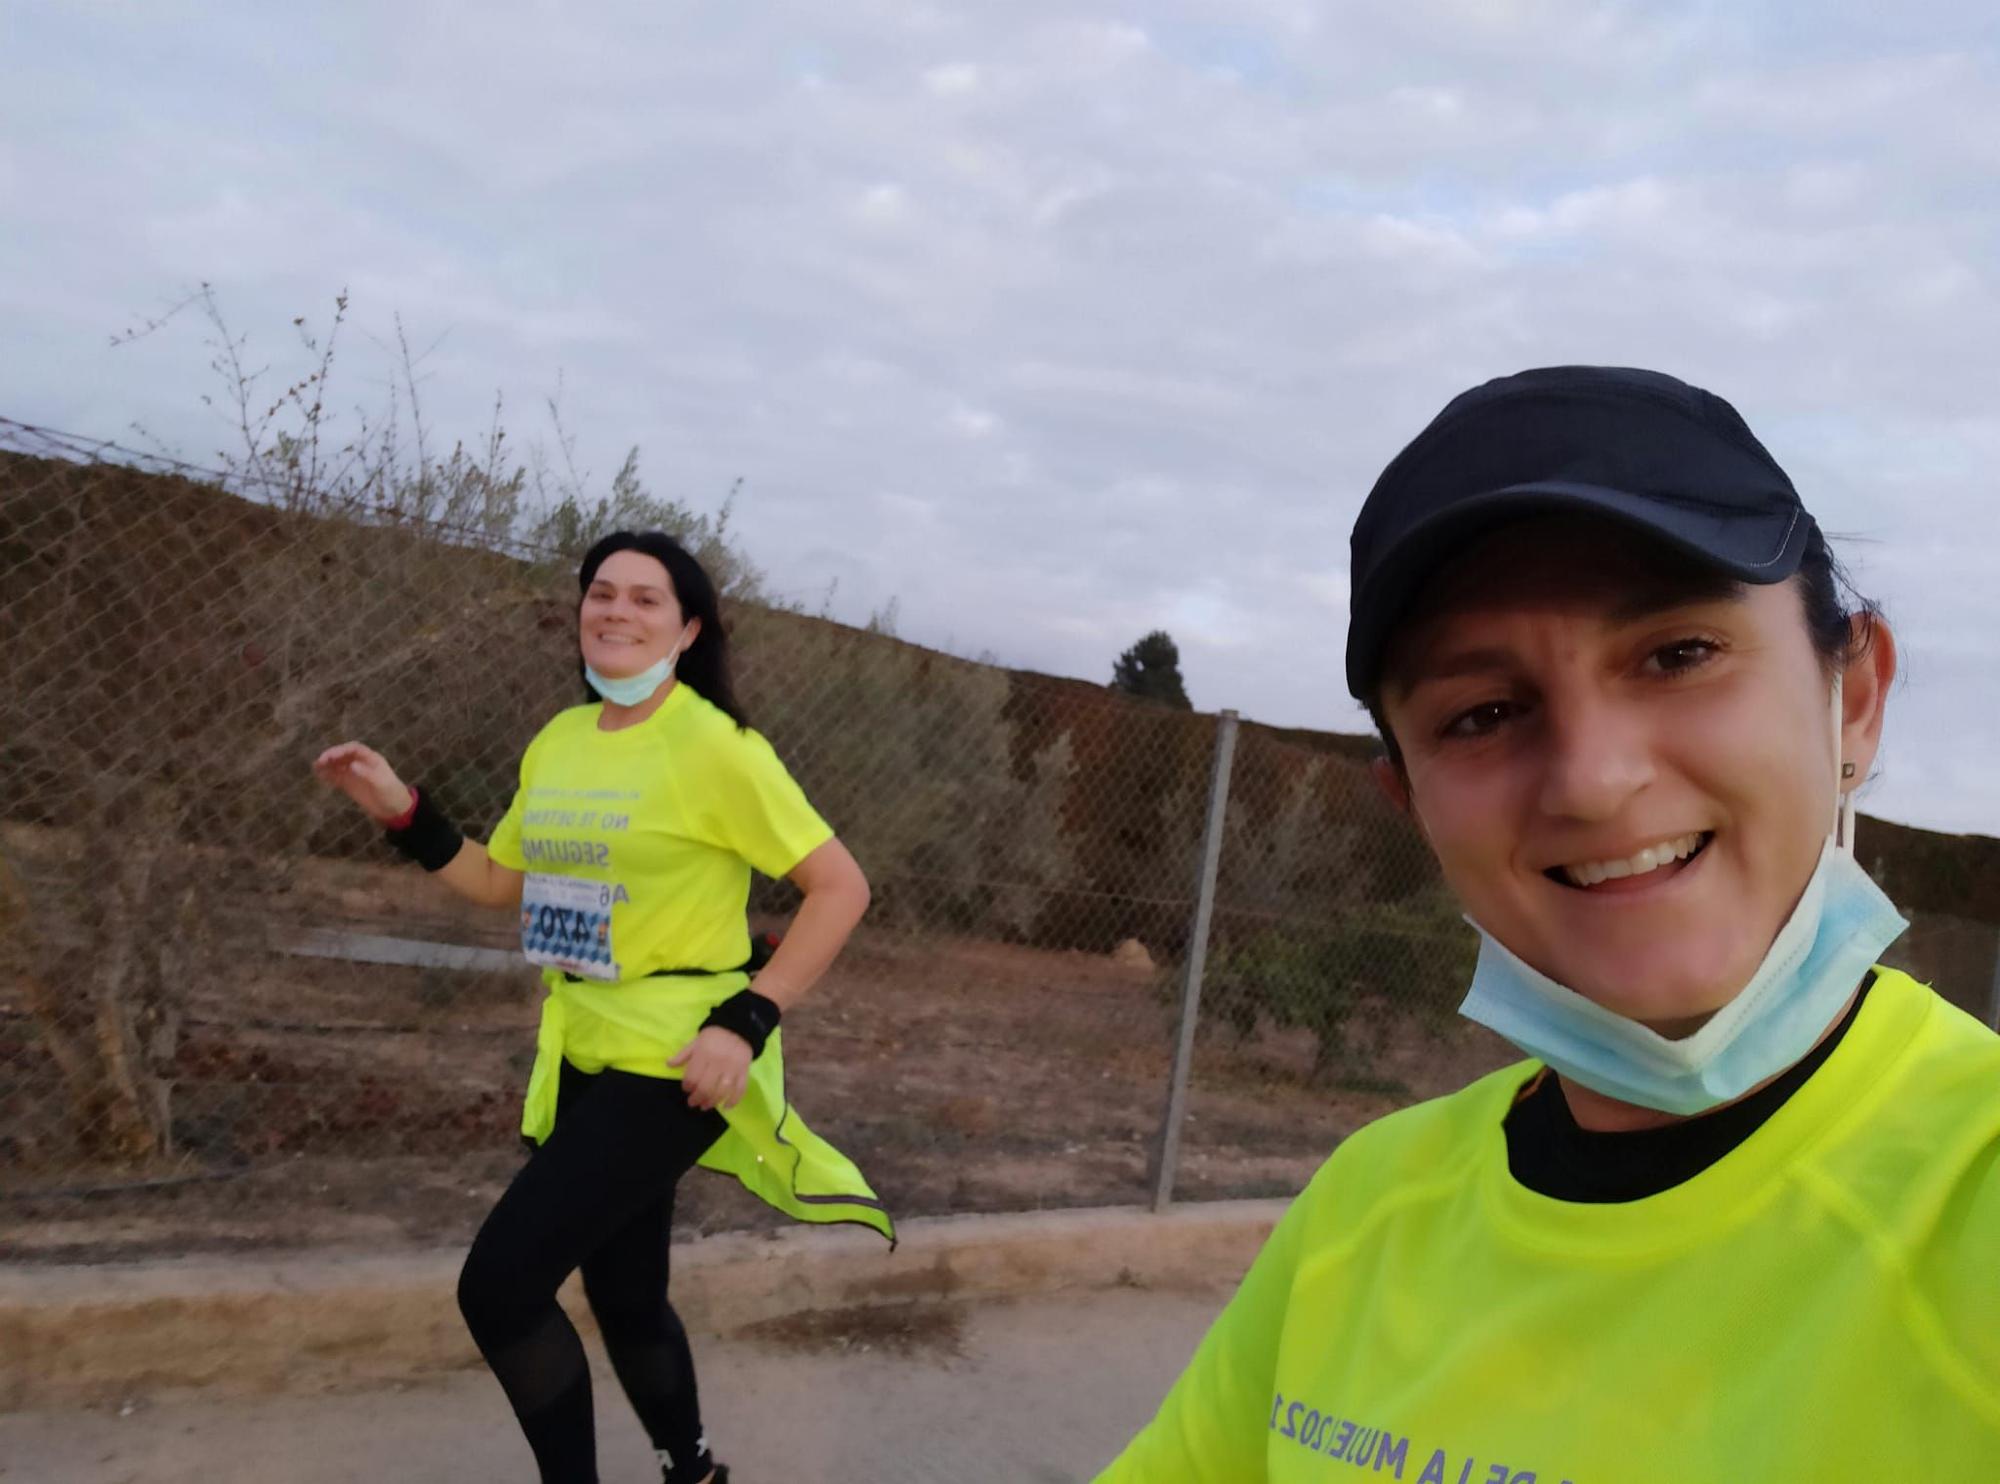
615,718
1600,1114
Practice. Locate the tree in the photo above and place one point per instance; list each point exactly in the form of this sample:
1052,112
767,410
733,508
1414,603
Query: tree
1151,669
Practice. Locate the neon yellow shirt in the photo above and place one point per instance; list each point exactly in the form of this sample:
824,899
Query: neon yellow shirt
1822,1304
638,845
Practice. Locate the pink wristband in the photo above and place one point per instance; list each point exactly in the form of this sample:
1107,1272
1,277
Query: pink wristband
402,821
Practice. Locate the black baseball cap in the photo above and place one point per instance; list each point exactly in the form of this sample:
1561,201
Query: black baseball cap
1639,447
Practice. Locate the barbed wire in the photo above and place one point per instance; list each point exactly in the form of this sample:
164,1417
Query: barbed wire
38,441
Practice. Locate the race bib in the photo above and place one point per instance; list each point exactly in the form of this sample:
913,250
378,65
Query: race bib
566,924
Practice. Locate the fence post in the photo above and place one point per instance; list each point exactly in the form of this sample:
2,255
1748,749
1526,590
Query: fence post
1169,1144
1993,991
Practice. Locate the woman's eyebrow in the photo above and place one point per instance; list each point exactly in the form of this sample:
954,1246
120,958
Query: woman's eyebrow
1651,602
1641,601
1451,665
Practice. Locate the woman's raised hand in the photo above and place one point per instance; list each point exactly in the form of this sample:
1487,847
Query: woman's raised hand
364,775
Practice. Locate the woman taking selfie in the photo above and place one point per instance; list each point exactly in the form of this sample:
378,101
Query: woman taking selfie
1738,1218
627,853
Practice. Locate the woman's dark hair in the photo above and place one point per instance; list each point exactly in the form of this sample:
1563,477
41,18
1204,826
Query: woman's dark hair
1831,604
1833,607
704,665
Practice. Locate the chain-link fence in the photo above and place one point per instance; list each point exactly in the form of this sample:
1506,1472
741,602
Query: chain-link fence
229,1016
1958,955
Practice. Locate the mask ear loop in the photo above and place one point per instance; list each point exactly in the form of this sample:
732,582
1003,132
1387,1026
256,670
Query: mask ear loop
1843,797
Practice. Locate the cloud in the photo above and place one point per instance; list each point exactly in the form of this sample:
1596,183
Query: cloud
952,79
1061,329
972,422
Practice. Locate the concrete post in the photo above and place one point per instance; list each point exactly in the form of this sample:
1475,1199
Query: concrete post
1167,1158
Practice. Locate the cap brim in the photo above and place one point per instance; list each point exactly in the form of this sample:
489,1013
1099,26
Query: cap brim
1754,548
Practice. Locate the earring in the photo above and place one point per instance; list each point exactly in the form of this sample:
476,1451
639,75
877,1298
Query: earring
1847,770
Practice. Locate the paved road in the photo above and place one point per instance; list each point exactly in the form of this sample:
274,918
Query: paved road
1037,1392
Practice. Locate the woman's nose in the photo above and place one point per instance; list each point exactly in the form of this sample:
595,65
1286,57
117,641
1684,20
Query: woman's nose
1598,756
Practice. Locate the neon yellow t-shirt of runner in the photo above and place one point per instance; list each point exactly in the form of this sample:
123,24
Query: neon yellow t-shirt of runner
1822,1303
638,845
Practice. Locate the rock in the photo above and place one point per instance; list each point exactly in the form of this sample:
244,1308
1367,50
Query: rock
1132,954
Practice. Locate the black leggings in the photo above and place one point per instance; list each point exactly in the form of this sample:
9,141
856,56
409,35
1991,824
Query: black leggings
598,1195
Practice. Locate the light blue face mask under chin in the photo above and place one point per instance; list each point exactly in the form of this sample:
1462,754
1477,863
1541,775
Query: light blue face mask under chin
631,690
1839,929
636,690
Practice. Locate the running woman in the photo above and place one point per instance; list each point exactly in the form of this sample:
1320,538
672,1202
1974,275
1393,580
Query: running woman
1738,1217
627,853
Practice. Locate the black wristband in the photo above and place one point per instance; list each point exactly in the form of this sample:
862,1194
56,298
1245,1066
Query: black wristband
429,838
751,1015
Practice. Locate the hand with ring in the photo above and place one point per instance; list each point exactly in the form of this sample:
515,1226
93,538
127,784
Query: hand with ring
716,1068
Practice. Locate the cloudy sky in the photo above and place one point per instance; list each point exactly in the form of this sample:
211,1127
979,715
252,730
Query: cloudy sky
1057,323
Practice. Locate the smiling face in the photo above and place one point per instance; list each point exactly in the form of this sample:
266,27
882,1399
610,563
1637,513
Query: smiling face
630,618
1625,765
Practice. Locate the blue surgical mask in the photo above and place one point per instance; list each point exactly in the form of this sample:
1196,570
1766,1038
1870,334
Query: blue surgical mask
1838,930
635,690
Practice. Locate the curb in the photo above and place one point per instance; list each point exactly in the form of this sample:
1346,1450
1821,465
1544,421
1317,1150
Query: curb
83,1336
